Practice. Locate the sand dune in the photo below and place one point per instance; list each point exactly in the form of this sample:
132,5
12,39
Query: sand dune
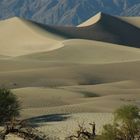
72,74
78,62
19,36
89,52
25,37
93,20
105,28
87,98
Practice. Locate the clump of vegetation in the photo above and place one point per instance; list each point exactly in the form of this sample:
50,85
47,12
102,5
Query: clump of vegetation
9,106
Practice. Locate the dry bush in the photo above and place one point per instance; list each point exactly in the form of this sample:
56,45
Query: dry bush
9,105
83,134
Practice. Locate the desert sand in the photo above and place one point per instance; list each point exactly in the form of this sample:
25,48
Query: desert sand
19,37
68,75
132,20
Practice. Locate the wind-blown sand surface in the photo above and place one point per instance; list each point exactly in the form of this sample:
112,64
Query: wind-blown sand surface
19,36
66,75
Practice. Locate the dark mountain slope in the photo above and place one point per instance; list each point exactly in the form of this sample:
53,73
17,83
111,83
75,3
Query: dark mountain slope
65,12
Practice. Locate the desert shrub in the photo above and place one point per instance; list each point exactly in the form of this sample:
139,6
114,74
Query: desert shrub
128,118
126,124
83,134
109,132
9,105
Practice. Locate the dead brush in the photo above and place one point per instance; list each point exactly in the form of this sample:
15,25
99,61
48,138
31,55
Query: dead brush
21,129
83,134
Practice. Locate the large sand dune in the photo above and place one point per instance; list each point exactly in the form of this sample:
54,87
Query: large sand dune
19,36
104,28
58,71
25,37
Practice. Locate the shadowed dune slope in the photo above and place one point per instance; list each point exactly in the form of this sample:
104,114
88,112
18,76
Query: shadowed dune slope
105,28
89,52
19,36
132,20
135,21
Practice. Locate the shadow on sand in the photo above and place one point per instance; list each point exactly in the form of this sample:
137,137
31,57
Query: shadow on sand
39,120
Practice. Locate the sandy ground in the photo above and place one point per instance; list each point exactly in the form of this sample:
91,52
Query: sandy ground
70,125
60,126
62,82
13,137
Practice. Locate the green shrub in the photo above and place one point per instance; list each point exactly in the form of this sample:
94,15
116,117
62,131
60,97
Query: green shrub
126,124
9,105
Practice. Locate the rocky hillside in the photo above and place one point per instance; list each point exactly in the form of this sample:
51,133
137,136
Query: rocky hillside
66,12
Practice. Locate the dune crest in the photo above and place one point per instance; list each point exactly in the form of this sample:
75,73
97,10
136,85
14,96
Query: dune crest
91,21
